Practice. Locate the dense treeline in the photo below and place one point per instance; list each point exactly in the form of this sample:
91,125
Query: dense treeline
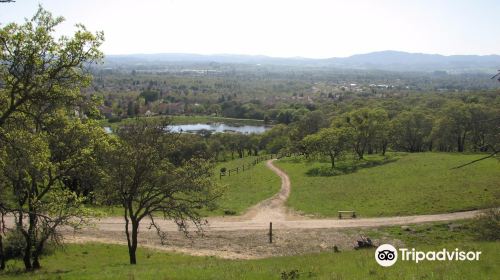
447,123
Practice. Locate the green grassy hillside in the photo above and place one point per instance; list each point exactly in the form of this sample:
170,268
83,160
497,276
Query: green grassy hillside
421,183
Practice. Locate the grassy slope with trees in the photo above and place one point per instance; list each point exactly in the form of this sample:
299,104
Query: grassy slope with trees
422,183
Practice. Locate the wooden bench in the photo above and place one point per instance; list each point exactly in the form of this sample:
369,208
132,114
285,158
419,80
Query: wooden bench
353,214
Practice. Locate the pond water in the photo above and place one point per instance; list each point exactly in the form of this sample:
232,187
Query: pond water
213,127
219,127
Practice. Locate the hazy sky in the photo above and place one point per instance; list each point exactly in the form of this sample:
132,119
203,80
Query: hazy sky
284,28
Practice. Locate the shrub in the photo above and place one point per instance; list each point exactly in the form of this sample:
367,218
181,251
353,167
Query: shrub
290,275
324,171
487,225
229,212
114,119
14,244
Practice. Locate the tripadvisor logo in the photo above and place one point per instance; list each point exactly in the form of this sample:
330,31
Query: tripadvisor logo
386,255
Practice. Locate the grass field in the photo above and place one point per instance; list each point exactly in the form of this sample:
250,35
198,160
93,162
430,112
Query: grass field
427,234
246,188
421,183
98,261
192,120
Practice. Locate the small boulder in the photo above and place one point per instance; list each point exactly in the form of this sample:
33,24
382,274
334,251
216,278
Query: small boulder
406,228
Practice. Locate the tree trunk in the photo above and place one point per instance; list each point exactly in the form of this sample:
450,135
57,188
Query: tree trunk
370,149
36,263
133,248
332,159
384,147
360,154
29,238
2,258
460,147
360,150
27,256
132,239
36,255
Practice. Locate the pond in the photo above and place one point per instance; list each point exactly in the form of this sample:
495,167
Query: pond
214,128
219,127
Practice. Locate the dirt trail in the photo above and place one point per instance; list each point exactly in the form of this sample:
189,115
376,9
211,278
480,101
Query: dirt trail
271,209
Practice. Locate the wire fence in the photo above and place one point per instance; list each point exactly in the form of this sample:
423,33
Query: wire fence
247,166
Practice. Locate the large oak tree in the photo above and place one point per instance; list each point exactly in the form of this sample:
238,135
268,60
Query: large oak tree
42,141
146,178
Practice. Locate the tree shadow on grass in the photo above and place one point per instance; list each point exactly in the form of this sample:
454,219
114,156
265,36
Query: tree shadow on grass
348,167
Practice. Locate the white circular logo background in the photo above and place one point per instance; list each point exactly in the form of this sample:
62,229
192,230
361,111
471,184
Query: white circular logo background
386,255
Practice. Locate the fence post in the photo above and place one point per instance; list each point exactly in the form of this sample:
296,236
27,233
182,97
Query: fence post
270,232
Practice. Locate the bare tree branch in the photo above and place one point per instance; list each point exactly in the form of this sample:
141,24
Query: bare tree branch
497,76
474,161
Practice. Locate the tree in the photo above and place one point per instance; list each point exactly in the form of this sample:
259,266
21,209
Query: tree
367,125
144,180
453,127
37,70
150,96
483,129
42,140
275,139
411,131
39,161
332,142
286,116
215,145
493,142
3,212
253,144
311,123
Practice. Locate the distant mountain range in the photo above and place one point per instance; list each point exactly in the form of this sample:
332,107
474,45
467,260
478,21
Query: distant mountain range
384,60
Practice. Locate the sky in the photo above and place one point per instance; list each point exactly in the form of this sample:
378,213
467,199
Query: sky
280,28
